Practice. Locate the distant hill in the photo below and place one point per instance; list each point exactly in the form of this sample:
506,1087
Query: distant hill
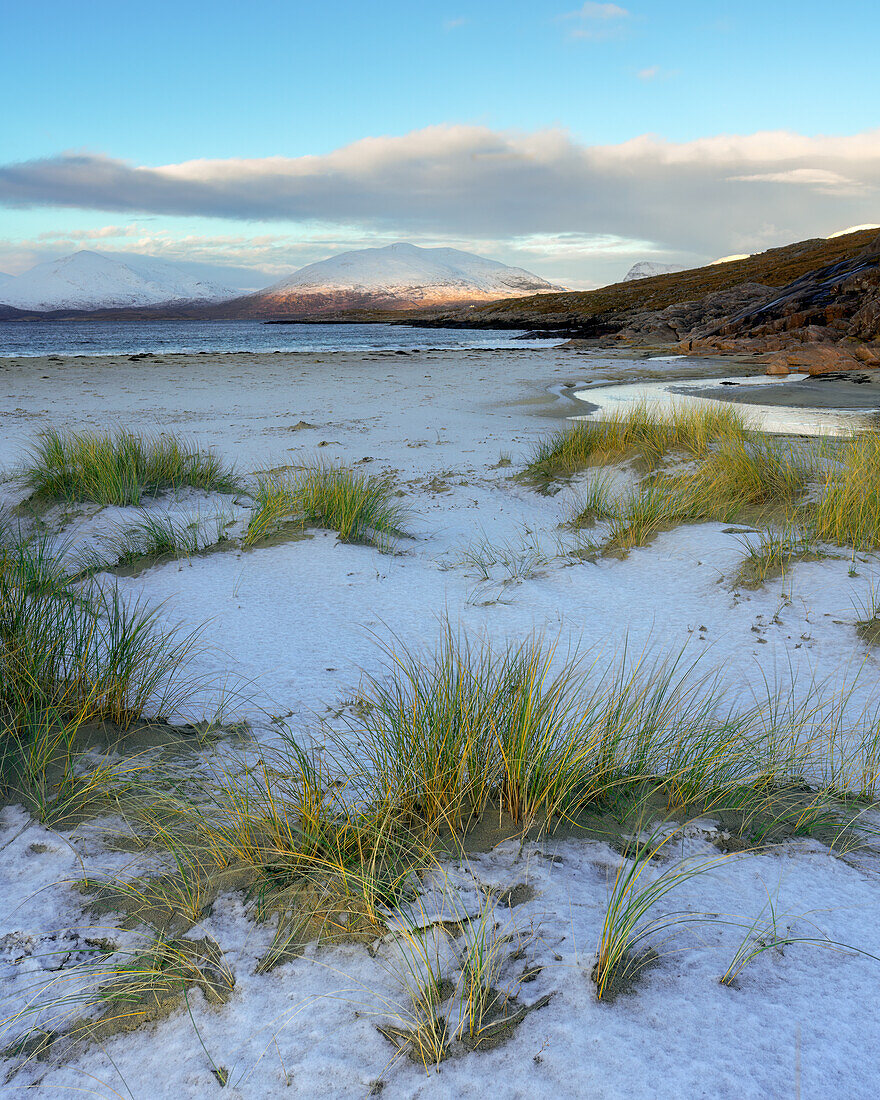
395,277
647,268
96,280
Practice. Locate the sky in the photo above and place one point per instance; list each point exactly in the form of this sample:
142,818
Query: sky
572,139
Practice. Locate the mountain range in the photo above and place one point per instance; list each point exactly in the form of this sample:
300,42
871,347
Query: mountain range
395,277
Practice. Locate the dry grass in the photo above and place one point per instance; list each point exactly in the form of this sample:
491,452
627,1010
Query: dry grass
324,867
740,475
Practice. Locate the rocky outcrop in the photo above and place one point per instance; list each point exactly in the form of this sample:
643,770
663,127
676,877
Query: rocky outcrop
693,320
826,320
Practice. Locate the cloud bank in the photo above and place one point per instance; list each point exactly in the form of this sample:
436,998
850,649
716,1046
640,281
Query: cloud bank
706,197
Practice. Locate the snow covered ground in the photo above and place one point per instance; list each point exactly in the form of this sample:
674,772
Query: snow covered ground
294,622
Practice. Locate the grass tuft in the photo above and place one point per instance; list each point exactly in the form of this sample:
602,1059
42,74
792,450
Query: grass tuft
360,507
71,654
771,552
638,432
150,538
121,468
847,512
622,953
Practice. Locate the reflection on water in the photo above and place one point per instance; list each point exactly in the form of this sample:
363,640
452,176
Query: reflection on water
661,397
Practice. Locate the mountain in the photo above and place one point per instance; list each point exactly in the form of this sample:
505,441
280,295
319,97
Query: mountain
96,280
647,268
396,277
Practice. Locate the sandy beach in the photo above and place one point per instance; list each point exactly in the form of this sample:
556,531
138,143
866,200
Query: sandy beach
290,629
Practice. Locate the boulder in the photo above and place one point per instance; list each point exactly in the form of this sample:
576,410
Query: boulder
777,364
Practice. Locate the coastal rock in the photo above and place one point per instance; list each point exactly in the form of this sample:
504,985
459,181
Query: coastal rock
778,365
821,359
867,353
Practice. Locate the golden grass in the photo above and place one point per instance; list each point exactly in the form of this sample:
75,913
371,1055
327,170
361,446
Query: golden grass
359,507
847,512
640,432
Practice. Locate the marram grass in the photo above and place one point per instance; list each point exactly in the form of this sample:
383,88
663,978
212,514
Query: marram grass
360,507
847,512
639,432
152,537
332,846
121,468
70,654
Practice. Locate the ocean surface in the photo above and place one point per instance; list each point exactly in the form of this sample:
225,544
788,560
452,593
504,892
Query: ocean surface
20,338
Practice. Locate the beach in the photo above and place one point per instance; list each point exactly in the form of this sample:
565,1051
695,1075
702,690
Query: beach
291,629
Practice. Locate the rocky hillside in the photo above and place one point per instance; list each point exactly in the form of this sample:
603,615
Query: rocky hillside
814,304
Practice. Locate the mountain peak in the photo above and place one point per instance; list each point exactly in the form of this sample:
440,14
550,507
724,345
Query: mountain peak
648,268
100,280
395,276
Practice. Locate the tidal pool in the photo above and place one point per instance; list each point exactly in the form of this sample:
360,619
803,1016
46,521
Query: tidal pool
662,397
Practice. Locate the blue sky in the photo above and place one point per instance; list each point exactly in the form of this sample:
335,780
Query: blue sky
170,83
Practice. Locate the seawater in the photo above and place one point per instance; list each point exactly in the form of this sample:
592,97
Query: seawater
23,338
662,397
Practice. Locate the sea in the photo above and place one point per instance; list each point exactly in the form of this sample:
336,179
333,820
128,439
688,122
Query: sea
23,338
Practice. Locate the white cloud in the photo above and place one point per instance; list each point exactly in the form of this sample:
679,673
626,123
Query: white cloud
651,73
595,21
819,178
476,186
854,229
104,232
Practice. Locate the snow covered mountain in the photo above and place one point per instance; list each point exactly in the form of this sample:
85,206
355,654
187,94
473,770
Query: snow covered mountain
97,280
398,276
647,268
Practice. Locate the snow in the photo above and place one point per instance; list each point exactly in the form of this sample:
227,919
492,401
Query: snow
96,280
294,621
648,268
398,269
